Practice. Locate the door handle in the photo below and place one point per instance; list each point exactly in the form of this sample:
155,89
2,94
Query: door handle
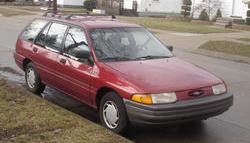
63,61
35,50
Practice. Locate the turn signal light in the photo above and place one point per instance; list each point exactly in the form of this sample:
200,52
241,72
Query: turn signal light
145,99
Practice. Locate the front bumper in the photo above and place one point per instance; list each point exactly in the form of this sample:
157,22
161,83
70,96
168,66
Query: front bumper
181,111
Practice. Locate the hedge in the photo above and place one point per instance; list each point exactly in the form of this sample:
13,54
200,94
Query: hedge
248,13
248,21
204,15
89,4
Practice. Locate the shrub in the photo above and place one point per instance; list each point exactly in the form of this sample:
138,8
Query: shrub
248,21
89,4
187,2
186,8
248,13
204,15
239,21
217,15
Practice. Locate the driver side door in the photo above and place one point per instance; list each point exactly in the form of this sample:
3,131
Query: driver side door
76,72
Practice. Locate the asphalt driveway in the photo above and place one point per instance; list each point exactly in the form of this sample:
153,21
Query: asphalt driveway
231,127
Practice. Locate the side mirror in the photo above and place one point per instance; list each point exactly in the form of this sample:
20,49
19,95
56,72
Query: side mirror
82,53
170,48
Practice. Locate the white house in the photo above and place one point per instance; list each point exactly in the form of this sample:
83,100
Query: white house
162,7
155,7
70,2
235,8
67,2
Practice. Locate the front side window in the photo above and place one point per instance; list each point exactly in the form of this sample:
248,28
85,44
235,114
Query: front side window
55,36
75,40
33,29
127,44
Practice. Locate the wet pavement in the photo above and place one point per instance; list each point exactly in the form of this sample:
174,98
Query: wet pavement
230,127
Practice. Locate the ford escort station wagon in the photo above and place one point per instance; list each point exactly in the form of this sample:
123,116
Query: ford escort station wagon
120,69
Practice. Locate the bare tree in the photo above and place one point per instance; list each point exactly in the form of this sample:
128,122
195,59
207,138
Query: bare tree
55,6
211,7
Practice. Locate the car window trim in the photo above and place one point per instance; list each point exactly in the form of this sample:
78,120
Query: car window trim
61,44
38,32
69,25
48,24
75,26
63,49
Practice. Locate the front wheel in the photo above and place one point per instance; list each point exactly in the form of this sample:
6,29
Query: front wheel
113,113
32,80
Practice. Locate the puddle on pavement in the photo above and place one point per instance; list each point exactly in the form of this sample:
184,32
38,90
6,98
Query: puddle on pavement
10,70
12,75
70,104
52,95
212,130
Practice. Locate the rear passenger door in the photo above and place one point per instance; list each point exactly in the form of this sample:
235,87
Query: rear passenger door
47,48
76,72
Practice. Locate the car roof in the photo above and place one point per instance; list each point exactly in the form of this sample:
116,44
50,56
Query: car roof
91,22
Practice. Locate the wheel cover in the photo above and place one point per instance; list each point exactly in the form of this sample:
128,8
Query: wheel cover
31,77
110,114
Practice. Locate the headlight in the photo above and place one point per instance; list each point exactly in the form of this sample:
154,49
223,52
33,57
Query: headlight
219,89
155,98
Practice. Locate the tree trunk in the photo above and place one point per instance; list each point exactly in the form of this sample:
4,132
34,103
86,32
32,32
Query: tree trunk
55,6
49,3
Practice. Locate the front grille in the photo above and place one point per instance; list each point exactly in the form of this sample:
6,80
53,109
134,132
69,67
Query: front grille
194,93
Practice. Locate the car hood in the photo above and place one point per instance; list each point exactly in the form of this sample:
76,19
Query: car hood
164,75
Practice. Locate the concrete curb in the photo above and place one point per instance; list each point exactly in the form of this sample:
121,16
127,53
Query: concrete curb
221,55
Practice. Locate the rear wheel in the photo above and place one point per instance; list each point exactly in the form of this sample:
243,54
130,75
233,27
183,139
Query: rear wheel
113,113
32,80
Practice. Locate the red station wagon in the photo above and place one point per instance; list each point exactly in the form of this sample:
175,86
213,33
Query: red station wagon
120,69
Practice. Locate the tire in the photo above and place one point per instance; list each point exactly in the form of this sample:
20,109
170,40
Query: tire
32,80
110,101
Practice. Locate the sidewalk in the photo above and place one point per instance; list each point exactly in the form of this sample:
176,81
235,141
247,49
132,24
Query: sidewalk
190,42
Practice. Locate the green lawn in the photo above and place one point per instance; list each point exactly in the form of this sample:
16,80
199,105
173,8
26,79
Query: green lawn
175,25
227,47
29,10
26,118
7,11
244,39
37,9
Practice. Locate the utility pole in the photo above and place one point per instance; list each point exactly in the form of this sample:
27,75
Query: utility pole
233,7
193,8
55,6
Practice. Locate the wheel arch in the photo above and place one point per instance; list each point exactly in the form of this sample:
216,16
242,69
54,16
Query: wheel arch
26,61
100,93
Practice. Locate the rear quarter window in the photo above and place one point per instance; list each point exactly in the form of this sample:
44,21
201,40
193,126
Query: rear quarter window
31,31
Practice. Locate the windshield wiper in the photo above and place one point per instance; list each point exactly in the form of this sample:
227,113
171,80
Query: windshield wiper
152,57
116,59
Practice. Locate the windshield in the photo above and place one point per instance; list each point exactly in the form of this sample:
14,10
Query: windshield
121,44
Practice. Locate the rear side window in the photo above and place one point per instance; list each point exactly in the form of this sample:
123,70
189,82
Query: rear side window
33,29
55,36
40,40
